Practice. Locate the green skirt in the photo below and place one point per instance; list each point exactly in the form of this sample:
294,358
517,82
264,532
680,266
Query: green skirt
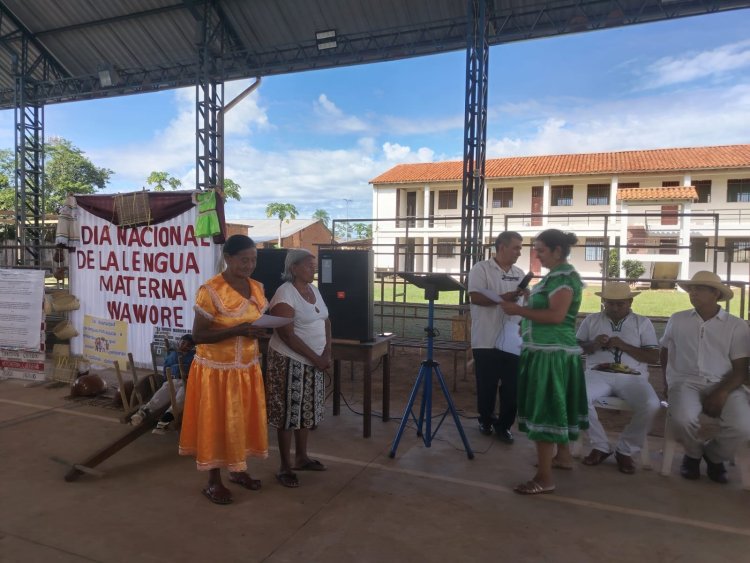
552,403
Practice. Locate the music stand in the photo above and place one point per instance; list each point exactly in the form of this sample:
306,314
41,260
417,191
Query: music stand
432,284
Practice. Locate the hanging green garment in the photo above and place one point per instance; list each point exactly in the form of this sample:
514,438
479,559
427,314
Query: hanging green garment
207,223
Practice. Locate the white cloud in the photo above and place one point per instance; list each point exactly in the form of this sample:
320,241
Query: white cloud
333,120
701,65
704,117
172,149
396,153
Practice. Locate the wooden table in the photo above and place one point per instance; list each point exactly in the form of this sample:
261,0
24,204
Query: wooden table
368,353
354,351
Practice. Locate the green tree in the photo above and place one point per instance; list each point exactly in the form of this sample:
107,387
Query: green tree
68,170
232,189
322,215
613,264
161,180
284,211
7,180
362,230
634,269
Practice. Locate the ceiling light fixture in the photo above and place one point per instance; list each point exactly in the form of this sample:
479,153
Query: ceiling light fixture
326,39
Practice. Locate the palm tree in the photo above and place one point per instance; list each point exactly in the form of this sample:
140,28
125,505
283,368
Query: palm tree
282,211
322,215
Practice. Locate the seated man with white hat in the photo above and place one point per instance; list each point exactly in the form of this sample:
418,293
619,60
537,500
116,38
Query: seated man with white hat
704,358
619,345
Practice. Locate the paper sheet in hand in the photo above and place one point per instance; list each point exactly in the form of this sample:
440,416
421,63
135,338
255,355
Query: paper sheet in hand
492,296
510,339
270,321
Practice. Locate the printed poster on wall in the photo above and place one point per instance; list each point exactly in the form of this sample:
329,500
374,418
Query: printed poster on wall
144,277
105,341
21,297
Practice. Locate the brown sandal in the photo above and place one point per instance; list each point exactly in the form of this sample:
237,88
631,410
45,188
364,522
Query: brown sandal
244,480
596,457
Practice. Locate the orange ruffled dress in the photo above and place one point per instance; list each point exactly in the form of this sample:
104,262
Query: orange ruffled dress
224,420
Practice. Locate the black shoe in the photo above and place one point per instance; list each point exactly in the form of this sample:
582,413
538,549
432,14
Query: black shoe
504,435
485,429
716,471
690,468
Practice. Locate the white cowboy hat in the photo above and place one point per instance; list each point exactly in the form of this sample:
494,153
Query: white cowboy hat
709,279
616,291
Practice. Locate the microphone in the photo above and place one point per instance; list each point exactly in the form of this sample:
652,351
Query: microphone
525,281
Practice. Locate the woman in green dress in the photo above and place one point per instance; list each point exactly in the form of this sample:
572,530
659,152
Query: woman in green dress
552,405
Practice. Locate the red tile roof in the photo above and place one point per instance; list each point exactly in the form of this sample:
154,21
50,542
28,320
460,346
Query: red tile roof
660,160
660,194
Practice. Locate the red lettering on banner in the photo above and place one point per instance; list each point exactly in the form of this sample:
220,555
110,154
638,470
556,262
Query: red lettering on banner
92,235
85,259
146,314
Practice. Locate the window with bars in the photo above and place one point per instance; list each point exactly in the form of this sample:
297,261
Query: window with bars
698,247
448,199
668,245
626,185
597,194
561,196
445,247
738,191
502,197
703,187
737,251
595,249
670,184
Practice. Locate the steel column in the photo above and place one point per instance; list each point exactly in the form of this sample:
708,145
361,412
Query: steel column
475,134
29,149
209,98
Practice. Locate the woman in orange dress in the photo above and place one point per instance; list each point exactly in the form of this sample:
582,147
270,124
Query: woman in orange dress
224,419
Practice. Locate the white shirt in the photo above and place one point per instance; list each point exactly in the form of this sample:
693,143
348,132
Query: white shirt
703,350
309,321
634,329
488,322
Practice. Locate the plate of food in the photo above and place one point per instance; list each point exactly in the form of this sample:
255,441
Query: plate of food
616,368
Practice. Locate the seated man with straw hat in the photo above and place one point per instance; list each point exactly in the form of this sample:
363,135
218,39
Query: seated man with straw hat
619,345
704,359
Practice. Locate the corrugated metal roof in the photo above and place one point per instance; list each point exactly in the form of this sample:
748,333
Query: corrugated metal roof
152,44
659,160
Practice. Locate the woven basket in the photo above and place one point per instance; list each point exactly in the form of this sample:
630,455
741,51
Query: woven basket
132,209
62,302
64,330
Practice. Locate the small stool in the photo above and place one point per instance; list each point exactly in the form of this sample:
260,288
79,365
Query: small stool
613,403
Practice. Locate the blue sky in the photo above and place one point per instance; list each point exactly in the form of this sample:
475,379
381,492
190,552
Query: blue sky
315,139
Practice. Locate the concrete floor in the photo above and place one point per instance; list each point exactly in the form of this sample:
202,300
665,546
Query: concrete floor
425,505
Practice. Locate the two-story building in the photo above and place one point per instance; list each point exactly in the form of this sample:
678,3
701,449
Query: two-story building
676,210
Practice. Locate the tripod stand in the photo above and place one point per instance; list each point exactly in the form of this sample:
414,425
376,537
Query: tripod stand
432,284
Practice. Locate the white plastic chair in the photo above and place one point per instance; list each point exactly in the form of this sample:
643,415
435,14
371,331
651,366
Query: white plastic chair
612,403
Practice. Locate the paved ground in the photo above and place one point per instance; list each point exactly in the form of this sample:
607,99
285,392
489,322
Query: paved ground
427,504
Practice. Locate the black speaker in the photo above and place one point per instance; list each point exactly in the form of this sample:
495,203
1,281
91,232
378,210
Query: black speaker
345,281
269,268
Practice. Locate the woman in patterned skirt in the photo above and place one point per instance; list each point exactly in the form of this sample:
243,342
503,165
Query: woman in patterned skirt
224,419
552,405
297,355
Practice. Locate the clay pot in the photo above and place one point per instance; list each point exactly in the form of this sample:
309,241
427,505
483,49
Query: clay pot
89,385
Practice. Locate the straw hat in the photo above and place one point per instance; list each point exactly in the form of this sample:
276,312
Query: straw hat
709,279
616,291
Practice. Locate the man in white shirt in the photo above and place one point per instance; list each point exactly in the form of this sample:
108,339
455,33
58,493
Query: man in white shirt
704,359
495,336
619,345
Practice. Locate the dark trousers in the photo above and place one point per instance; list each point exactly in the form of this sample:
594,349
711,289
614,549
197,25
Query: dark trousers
491,367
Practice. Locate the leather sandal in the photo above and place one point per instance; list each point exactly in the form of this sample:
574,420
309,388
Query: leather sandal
625,463
595,457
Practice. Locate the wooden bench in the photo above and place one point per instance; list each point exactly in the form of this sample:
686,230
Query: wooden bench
455,346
